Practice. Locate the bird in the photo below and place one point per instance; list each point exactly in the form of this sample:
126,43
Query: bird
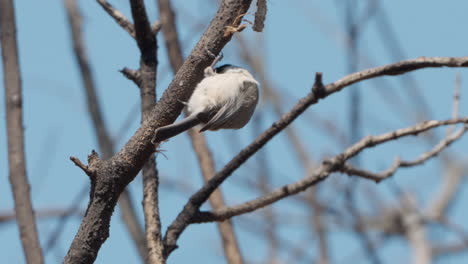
225,98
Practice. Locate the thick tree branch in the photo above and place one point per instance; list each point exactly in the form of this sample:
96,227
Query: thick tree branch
114,174
15,133
106,145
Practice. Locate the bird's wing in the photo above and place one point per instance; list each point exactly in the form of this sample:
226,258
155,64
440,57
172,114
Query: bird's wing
224,114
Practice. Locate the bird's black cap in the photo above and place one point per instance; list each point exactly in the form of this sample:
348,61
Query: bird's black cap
224,68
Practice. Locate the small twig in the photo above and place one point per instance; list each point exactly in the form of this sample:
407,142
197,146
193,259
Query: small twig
156,27
118,17
132,75
46,213
377,177
456,101
80,165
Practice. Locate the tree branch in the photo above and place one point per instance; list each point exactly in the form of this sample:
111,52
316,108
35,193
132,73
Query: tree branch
260,16
114,174
14,124
118,17
328,166
106,145
197,199
377,177
146,40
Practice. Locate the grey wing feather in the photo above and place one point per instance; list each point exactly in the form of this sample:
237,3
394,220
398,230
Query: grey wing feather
222,116
235,113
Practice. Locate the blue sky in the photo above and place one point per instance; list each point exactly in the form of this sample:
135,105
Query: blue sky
300,38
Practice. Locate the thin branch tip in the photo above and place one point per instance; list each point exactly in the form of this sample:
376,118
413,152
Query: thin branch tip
132,75
80,165
118,17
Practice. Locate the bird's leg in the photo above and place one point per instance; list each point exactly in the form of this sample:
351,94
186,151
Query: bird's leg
217,59
209,71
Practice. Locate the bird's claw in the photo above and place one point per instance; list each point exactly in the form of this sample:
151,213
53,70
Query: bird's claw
216,58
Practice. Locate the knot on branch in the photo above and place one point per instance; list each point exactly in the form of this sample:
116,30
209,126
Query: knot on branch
318,89
168,249
93,159
335,163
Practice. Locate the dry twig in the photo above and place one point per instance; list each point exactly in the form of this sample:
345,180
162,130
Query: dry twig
330,165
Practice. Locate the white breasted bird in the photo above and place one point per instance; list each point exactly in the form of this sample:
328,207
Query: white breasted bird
225,99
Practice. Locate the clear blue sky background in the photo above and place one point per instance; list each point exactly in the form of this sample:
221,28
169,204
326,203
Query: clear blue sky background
301,38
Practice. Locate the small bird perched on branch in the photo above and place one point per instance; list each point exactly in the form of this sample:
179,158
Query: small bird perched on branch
225,99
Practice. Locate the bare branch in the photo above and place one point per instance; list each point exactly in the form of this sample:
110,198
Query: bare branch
80,165
118,17
54,235
132,75
145,78
197,199
454,174
169,29
330,165
456,101
260,16
415,231
377,177
45,213
156,27
14,124
92,102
